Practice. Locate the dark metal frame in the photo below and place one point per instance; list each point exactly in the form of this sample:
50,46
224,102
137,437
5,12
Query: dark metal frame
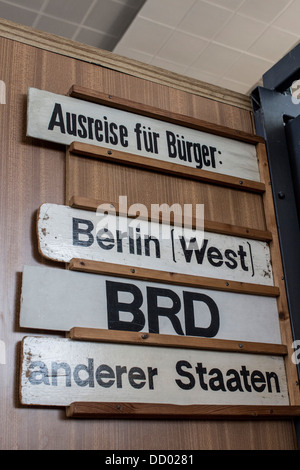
273,110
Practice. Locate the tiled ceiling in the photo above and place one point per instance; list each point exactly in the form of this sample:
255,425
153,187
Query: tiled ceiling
229,43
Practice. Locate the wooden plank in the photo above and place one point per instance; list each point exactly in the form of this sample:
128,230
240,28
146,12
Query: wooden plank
171,278
151,339
65,233
98,97
63,119
58,372
91,204
106,181
160,411
129,159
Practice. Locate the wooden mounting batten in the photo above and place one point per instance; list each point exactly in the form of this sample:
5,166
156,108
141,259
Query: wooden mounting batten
165,411
146,163
118,270
79,202
86,94
172,341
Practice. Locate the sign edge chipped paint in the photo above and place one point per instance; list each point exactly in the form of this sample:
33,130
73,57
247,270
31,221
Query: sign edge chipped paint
149,380
174,256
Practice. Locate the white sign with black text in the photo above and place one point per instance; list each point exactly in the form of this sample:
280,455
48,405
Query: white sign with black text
65,233
63,119
58,372
58,299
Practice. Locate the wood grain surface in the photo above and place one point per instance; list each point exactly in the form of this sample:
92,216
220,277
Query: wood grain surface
33,172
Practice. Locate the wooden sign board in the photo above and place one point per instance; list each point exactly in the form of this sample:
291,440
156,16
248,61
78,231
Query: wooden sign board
58,372
63,119
58,299
65,233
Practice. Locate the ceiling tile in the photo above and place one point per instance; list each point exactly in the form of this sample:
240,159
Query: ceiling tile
108,16
230,4
240,32
17,14
136,4
71,10
133,54
56,26
168,65
202,75
289,19
146,36
33,4
273,44
204,19
216,59
96,39
234,85
263,10
182,48
169,12
248,69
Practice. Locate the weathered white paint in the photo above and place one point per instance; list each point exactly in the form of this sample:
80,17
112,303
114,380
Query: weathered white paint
60,371
2,353
212,255
58,299
48,114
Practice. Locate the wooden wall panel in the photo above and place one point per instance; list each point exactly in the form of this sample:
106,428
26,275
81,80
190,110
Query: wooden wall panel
33,172
105,182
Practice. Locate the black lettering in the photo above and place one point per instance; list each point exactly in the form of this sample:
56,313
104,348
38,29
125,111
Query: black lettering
171,143
181,149
82,231
154,311
105,239
191,330
148,239
120,370
57,119
198,155
82,133
242,254
40,376
214,254
201,371
212,155
272,376
113,139
120,236
151,373
105,376
184,373
67,372
234,384
98,130
137,377
71,122
231,263
90,127
188,252
89,369
114,307
216,383
123,134
205,154
257,377
245,374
